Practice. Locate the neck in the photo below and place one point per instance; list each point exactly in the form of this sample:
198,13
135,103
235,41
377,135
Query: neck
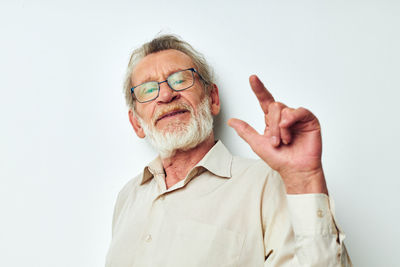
177,167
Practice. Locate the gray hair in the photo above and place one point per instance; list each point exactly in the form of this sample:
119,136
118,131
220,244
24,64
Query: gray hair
165,42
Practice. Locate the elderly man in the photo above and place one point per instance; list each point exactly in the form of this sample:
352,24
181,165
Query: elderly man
196,204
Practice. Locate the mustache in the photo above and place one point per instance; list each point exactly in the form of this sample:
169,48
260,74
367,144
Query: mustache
174,107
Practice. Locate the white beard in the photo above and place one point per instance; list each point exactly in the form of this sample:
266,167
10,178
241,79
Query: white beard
178,135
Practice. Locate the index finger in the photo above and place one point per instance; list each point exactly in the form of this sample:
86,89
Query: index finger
263,95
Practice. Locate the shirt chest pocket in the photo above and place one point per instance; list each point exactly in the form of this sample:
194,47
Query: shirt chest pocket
199,244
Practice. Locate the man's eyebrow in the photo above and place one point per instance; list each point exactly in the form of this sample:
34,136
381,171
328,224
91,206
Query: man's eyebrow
148,78
151,78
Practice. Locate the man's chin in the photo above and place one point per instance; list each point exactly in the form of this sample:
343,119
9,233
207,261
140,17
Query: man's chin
172,150
171,136
176,128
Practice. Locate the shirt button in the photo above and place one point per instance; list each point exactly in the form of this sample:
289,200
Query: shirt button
148,238
320,213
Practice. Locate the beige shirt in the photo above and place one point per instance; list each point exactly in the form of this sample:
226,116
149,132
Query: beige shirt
228,211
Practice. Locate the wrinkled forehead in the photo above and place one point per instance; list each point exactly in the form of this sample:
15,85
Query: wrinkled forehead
157,66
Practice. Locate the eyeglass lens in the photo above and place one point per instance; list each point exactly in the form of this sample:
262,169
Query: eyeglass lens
178,81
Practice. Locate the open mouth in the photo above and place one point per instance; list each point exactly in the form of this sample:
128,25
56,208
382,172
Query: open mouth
170,114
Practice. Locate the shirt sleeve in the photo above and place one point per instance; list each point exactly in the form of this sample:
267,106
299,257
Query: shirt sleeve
318,239
300,230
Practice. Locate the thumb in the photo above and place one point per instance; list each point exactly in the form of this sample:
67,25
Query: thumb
245,131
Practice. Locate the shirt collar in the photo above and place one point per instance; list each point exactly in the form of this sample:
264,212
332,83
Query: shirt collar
218,160
153,168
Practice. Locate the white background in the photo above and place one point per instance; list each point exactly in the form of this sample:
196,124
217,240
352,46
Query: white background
67,148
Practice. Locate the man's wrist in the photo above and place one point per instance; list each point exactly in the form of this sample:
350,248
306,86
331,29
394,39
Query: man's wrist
306,182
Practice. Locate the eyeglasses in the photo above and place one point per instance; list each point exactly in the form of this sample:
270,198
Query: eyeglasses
177,81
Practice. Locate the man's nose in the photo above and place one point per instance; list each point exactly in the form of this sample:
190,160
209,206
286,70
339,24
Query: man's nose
166,94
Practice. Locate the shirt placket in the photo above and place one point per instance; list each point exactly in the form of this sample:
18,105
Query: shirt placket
155,219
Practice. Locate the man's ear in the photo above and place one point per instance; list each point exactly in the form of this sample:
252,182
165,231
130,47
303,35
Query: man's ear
214,95
136,124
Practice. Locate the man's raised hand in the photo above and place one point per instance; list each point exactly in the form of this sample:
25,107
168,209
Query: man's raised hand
291,143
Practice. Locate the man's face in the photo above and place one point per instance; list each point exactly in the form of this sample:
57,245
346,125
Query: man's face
167,111
174,120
